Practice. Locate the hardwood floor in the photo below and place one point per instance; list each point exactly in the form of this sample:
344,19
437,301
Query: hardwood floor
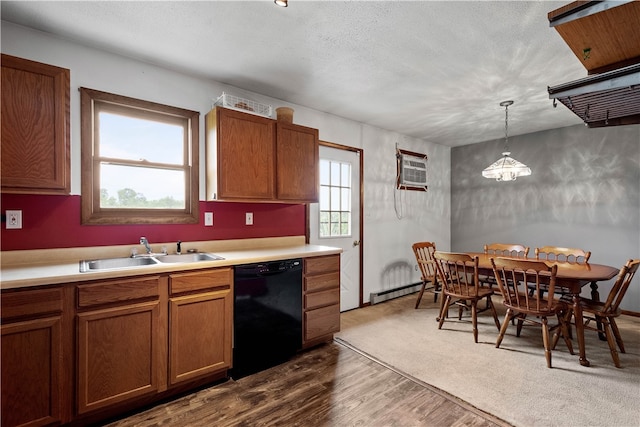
331,385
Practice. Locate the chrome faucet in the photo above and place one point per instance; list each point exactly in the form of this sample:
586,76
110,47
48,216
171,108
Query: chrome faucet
145,242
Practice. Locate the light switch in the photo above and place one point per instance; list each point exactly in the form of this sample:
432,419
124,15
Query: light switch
208,219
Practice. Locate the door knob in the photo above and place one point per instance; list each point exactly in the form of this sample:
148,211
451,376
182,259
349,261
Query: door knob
356,243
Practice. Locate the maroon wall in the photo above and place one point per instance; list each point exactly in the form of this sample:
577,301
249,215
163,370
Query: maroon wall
54,222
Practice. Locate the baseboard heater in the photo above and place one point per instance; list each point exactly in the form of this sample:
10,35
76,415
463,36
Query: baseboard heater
377,297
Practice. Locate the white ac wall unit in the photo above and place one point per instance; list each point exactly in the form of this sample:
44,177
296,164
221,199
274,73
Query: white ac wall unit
413,171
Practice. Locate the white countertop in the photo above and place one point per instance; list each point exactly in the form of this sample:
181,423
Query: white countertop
66,269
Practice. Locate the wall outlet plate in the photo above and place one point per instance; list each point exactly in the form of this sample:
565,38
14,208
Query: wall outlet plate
14,219
208,219
249,218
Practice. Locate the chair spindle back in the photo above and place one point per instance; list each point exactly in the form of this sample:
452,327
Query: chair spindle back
424,257
524,282
625,276
507,250
554,253
458,272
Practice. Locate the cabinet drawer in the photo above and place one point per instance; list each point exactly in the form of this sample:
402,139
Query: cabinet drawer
320,299
321,322
324,281
115,291
32,302
197,281
322,264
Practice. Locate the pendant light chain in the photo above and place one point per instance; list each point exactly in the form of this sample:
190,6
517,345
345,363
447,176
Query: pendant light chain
506,128
506,104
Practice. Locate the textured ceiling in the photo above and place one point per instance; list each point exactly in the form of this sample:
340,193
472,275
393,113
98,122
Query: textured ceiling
435,70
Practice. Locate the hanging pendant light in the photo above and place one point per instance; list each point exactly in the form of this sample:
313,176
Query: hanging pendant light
506,168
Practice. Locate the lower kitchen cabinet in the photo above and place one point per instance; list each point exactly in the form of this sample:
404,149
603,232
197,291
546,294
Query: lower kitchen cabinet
35,375
119,326
78,353
200,324
321,299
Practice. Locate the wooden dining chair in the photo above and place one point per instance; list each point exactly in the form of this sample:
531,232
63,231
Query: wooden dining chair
603,314
558,254
513,278
507,250
460,286
503,250
555,253
423,252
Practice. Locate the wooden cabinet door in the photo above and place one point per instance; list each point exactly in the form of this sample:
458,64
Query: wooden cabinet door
200,334
240,151
36,334
297,163
118,354
32,372
35,127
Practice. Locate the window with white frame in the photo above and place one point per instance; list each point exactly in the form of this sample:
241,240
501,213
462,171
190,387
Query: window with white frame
335,199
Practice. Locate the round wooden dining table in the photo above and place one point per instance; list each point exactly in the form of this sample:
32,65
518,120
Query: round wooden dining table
572,277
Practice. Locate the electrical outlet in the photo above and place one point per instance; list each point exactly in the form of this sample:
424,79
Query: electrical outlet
208,219
14,219
249,218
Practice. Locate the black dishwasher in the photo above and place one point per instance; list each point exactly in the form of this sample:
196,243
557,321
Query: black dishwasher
267,324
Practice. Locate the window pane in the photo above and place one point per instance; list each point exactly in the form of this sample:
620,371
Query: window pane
346,175
344,230
324,199
324,172
324,229
335,199
345,199
335,228
136,187
335,173
139,139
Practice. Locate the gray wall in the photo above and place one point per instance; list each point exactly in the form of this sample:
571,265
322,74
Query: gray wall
584,192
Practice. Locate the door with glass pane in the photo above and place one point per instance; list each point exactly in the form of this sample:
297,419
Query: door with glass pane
335,220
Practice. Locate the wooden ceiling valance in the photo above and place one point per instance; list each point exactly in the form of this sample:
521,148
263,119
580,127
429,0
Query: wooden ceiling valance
603,35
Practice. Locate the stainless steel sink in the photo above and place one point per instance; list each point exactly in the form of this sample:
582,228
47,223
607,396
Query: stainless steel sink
141,261
115,263
188,257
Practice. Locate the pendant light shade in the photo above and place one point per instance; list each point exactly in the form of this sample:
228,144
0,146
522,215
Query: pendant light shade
506,168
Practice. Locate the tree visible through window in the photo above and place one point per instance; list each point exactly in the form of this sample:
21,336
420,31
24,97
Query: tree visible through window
140,161
335,199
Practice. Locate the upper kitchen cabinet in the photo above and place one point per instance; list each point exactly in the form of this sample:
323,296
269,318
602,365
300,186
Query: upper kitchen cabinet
240,153
296,163
35,127
257,159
